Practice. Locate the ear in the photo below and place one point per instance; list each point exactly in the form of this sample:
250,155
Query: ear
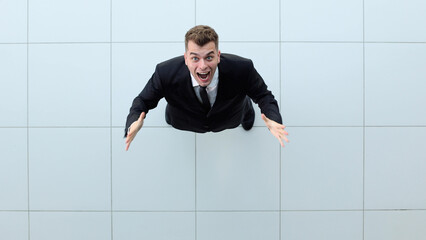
218,56
185,56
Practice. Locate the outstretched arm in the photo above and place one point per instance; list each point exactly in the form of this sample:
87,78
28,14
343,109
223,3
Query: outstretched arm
134,129
276,129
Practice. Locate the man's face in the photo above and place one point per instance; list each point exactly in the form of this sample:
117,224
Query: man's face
202,61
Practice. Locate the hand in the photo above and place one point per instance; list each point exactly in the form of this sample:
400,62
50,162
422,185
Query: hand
134,129
276,129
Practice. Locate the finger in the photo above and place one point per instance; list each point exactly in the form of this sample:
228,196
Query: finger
281,142
127,146
129,137
286,139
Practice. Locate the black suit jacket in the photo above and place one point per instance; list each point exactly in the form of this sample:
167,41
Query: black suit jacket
237,79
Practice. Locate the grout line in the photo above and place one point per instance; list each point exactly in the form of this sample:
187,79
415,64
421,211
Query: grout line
195,186
210,211
288,126
281,101
111,133
195,152
195,137
363,120
222,41
195,12
28,120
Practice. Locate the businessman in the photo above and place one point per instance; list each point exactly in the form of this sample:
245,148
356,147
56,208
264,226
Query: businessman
206,91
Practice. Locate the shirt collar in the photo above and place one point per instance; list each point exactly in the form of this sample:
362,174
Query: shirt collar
212,84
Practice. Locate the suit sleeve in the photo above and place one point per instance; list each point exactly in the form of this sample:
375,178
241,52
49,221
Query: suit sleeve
258,91
146,100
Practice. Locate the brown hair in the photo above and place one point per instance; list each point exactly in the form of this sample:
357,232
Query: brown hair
201,35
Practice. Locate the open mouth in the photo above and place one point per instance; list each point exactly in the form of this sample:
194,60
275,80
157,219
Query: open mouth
203,76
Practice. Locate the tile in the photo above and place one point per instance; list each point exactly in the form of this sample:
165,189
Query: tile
132,66
13,79
238,170
14,225
322,84
269,70
69,85
409,225
70,21
322,169
241,20
69,170
395,84
161,20
325,20
13,169
13,21
154,226
157,173
322,225
395,21
237,225
395,168
70,225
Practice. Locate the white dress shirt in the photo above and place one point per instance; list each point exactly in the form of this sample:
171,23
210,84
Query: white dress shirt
211,88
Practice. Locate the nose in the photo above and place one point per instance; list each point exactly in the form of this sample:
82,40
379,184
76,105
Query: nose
202,65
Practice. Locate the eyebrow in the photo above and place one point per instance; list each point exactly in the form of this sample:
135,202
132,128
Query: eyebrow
196,54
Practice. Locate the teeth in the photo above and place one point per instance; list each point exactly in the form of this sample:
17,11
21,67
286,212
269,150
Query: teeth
203,75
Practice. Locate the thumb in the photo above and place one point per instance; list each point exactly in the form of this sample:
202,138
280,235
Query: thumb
142,116
264,118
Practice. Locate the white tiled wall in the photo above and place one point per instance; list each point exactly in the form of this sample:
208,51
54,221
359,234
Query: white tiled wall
349,76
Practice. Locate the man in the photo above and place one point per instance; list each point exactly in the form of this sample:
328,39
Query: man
206,91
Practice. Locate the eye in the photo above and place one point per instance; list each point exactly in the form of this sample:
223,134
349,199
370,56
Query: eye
195,59
209,58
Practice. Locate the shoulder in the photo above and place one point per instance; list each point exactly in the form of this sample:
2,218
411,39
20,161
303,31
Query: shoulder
172,63
172,67
231,62
231,65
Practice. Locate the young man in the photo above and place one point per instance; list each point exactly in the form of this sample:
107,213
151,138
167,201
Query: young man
206,91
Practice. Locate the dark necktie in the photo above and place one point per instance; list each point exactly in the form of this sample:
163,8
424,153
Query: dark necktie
205,98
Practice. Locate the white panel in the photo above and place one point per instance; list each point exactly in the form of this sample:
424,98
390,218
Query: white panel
395,168
69,85
154,226
13,169
322,169
157,173
325,20
13,81
346,225
238,225
69,20
13,21
133,65
269,70
14,225
395,20
238,170
160,20
70,226
322,84
70,169
395,225
395,79
241,20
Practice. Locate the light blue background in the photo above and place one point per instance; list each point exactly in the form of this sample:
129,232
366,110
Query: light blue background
350,77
